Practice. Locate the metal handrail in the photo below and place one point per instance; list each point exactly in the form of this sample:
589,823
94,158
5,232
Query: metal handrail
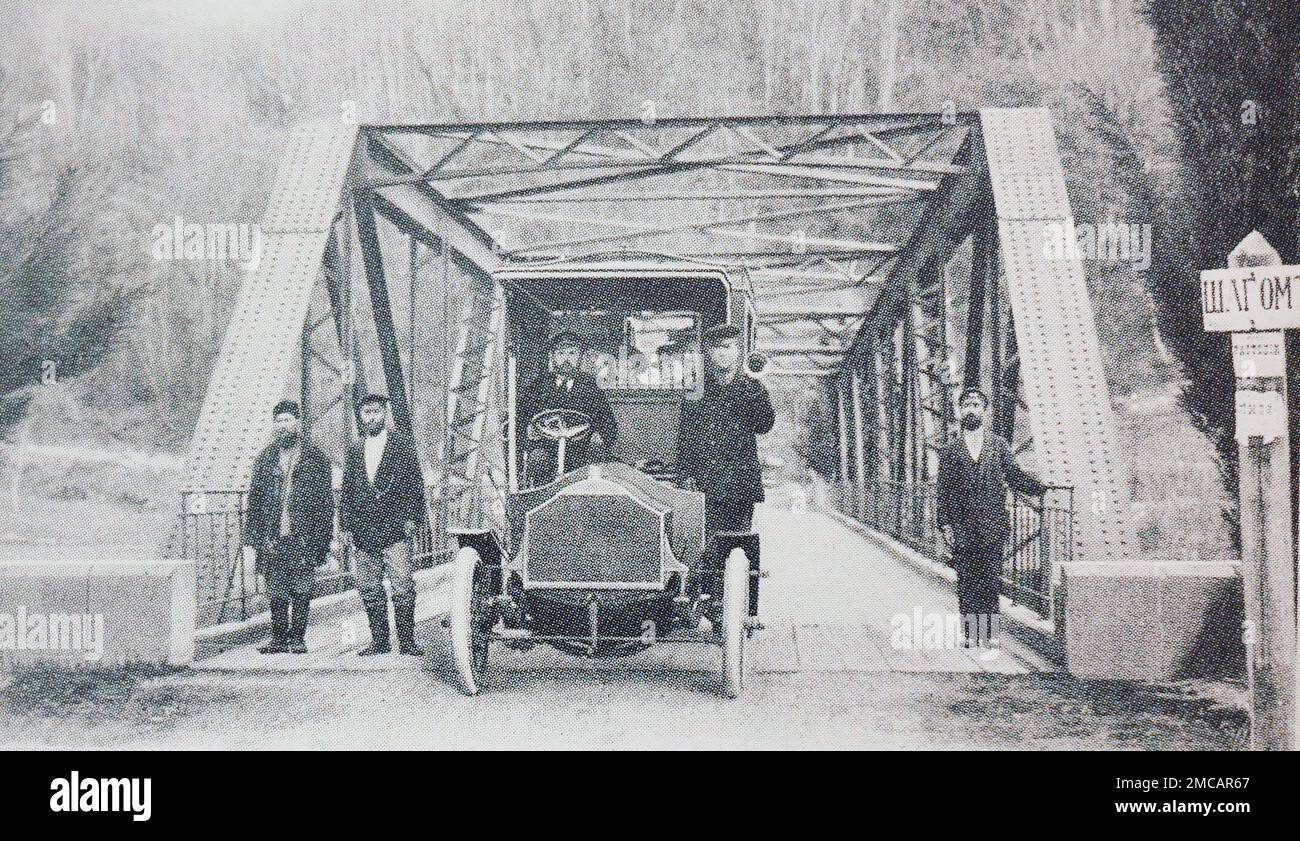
210,533
1041,539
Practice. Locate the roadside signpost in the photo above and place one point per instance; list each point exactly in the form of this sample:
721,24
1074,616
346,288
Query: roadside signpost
1251,297
1256,299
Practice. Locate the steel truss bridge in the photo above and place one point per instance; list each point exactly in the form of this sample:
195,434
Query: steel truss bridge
896,259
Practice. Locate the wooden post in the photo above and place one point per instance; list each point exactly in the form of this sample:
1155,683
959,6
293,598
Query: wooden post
1269,581
1245,302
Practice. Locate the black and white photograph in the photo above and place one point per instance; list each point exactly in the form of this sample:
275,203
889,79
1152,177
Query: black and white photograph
652,375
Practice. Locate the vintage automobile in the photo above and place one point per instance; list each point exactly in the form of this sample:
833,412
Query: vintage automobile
606,558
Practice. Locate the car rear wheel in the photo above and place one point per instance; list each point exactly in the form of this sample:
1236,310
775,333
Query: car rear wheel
469,641
735,608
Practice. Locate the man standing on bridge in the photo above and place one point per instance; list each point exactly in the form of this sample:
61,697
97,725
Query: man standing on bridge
975,469
382,502
717,450
288,525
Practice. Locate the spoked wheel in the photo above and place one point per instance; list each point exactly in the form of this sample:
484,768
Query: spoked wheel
735,608
467,619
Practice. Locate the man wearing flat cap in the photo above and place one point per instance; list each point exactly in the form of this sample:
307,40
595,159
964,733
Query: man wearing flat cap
565,386
288,525
382,503
975,469
717,451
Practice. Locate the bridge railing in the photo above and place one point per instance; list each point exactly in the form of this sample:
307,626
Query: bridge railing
210,533
1042,532
1042,538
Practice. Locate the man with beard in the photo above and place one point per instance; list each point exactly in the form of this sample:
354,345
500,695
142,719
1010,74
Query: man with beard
288,525
565,386
382,501
975,469
717,451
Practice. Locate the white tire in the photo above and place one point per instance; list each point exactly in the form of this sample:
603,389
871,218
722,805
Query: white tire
470,653
735,610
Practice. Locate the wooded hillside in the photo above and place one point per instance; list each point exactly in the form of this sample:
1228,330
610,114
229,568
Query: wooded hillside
117,117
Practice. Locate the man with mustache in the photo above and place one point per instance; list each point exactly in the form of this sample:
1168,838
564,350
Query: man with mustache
382,502
975,469
565,386
288,525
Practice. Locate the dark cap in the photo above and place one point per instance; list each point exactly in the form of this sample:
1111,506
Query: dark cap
372,397
566,338
719,332
287,407
969,390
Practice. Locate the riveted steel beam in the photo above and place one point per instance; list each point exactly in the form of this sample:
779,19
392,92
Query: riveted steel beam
373,260
942,227
422,212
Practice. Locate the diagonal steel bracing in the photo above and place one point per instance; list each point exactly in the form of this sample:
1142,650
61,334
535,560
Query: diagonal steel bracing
849,224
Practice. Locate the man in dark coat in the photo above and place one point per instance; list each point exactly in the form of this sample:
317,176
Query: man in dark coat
382,503
288,525
717,449
975,469
564,386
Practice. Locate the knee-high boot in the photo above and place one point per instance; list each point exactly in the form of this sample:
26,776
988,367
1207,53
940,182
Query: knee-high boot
377,614
298,626
404,619
279,641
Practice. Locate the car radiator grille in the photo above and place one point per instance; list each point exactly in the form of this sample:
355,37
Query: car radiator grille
594,540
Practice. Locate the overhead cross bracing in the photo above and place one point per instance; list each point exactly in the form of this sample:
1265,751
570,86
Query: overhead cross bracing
893,257
816,207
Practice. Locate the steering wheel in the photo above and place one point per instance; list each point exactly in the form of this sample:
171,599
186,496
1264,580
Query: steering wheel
561,424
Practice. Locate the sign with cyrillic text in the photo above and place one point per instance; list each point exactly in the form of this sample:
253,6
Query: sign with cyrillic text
1251,298
1259,354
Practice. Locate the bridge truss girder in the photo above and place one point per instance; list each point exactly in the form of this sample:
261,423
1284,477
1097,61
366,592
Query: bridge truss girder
912,354
844,221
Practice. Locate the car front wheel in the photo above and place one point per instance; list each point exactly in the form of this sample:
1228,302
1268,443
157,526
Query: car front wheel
735,609
469,642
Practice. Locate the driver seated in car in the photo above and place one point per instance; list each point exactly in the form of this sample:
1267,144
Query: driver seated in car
564,386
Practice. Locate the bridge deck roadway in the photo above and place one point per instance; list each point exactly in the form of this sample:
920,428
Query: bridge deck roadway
825,674
830,605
